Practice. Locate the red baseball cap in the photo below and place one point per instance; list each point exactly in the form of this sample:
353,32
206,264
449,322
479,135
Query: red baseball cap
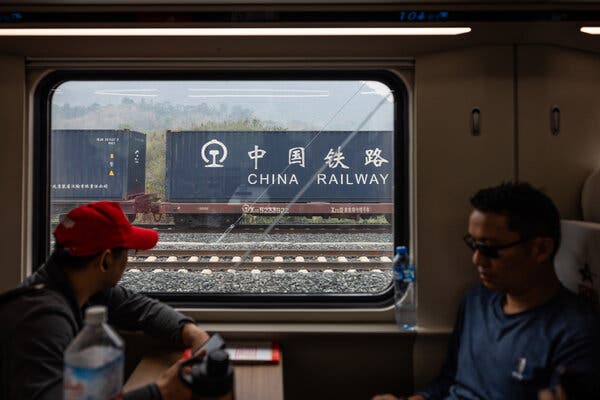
95,227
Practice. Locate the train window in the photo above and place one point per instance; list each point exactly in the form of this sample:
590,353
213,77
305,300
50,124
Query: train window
259,188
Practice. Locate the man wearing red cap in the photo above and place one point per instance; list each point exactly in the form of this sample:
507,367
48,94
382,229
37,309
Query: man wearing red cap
42,318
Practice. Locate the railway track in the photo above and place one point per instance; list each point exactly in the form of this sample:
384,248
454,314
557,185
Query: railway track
281,228
208,261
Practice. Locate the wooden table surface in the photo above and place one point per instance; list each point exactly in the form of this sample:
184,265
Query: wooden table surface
252,382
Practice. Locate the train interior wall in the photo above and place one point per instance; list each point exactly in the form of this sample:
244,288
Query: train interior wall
515,85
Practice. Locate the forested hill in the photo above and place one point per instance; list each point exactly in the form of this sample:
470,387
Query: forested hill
148,116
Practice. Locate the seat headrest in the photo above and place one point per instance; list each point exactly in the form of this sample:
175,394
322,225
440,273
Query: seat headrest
578,259
590,197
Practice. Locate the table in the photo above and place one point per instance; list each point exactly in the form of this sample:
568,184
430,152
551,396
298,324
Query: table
252,382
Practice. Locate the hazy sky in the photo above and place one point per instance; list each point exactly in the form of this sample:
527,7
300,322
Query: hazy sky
339,105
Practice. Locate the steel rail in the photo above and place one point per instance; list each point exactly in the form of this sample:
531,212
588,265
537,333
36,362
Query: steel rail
259,259
262,253
261,266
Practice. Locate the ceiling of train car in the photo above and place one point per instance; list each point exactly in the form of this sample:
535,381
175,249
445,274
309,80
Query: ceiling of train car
286,1
392,14
492,22
320,2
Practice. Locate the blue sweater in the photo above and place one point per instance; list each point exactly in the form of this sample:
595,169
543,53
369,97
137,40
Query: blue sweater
493,355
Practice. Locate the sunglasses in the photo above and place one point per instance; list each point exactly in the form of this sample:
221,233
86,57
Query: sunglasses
487,250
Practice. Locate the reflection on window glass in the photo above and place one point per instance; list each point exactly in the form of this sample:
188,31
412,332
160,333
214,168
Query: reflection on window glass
275,187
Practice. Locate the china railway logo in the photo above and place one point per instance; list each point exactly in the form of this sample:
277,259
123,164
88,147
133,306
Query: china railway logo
217,149
215,152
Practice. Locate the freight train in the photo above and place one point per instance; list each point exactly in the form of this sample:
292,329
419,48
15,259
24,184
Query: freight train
98,165
215,177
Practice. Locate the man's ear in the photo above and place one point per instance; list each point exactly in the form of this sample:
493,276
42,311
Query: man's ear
104,260
543,247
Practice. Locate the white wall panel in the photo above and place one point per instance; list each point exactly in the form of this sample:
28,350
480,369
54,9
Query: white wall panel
452,164
569,79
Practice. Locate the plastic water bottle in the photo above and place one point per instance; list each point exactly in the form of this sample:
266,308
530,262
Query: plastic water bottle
94,360
403,275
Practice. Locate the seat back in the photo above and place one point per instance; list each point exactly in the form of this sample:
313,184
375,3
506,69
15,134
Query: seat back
578,259
590,197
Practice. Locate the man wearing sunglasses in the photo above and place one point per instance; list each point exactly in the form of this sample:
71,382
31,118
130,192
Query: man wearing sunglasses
521,326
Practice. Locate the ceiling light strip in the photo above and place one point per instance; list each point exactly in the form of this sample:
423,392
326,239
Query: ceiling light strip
592,30
358,31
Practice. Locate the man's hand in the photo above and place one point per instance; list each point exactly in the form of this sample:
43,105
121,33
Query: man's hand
171,386
193,336
546,394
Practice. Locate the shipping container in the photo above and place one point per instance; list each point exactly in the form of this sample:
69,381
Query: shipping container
97,164
279,166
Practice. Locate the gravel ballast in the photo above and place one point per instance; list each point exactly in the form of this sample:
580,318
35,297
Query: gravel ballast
271,282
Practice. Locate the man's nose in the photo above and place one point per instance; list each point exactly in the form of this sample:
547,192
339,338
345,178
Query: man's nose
479,259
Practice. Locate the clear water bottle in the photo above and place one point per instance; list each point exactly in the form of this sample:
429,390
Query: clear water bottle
94,360
403,275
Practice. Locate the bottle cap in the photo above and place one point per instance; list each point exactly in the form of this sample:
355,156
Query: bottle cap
401,250
95,315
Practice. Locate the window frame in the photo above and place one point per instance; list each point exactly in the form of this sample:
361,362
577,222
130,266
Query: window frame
42,101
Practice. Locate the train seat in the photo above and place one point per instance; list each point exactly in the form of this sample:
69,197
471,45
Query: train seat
578,259
590,197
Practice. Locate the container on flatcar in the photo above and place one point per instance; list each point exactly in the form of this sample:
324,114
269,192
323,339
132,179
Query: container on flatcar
97,164
275,166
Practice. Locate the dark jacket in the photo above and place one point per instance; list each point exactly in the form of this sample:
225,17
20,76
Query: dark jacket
38,325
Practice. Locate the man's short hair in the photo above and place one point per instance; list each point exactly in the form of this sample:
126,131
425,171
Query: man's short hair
65,260
529,212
